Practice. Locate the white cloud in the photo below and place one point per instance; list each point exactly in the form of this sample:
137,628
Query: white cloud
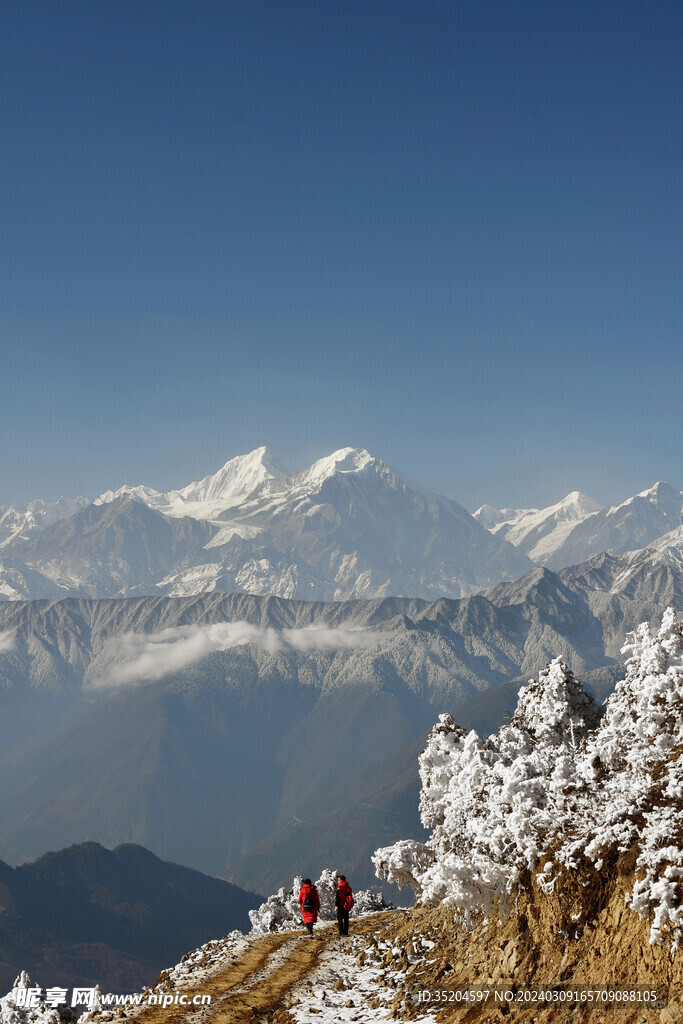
145,657
7,642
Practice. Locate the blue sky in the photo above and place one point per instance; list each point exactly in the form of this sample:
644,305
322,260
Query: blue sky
446,232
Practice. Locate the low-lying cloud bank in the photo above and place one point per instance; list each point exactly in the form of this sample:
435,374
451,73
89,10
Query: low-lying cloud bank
146,657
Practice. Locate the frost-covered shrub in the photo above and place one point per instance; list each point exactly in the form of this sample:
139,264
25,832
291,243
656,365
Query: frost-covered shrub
368,902
553,715
436,769
658,890
281,912
13,1012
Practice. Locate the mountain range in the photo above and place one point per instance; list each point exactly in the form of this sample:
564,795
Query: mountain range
577,528
255,658
281,732
346,527
86,915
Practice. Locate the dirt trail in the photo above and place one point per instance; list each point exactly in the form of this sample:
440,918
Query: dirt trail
218,985
256,986
263,997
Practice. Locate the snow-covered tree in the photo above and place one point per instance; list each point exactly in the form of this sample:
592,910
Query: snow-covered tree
490,804
560,783
632,768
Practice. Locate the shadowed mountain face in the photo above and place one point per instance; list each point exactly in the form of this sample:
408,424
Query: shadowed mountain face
237,733
86,916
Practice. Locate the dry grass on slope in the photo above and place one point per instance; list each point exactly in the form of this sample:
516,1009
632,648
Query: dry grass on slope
580,935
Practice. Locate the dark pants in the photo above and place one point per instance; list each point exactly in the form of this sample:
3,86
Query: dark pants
342,921
309,927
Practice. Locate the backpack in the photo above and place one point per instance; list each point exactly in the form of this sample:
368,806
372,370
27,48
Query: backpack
309,902
343,898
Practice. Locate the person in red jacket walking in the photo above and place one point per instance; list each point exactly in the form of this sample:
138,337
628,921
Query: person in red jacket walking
309,901
343,901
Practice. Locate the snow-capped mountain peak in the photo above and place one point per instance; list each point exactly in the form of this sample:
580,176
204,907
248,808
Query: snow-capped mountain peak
236,479
211,496
661,494
490,517
347,526
515,524
345,460
145,494
577,528
18,522
576,503
672,540
539,532
573,506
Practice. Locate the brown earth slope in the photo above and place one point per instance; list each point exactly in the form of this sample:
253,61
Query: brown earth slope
546,942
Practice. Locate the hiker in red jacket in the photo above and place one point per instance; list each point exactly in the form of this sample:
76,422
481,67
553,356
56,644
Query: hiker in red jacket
309,901
343,901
